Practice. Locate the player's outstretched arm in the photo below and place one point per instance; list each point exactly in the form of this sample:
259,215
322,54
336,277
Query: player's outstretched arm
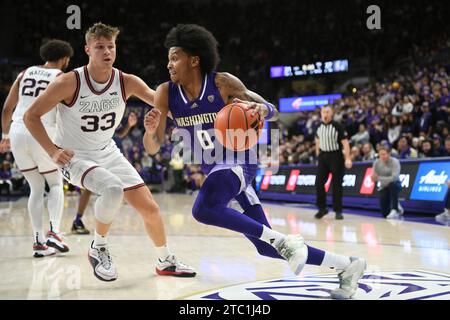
8,108
61,89
233,90
155,120
135,86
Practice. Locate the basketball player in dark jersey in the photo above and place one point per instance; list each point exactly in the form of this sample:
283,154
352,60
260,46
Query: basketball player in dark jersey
194,96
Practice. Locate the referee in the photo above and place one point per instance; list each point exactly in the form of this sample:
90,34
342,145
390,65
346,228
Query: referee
331,138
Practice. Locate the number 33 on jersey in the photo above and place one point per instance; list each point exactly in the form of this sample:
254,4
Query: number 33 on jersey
89,121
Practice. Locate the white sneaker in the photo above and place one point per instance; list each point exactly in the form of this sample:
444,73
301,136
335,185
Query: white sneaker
294,250
41,250
55,241
348,279
443,217
393,214
101,261
172,267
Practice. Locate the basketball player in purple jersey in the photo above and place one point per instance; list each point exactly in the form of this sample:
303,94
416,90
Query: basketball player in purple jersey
194,96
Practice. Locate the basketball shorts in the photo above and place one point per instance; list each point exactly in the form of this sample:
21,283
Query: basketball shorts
109,158
28,153
246,174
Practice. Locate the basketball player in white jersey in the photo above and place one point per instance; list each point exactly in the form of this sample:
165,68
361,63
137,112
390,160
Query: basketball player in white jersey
34,163
94,100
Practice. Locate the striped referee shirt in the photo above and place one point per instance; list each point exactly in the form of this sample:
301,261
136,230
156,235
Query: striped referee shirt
330,135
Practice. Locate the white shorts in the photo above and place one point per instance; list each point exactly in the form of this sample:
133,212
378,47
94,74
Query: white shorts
109,158
28,153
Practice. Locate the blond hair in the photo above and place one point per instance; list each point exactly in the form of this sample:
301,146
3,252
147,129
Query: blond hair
101,30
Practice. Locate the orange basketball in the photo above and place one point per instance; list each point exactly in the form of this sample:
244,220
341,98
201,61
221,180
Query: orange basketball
237,129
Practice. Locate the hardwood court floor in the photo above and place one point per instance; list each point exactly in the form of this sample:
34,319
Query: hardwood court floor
223,259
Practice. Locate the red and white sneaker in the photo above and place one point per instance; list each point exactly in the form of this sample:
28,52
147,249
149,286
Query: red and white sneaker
55,241
42,250
172,267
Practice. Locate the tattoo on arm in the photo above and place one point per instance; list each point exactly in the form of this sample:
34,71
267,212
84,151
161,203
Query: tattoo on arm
234,88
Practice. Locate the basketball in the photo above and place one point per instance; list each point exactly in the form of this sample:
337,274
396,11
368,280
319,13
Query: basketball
236,128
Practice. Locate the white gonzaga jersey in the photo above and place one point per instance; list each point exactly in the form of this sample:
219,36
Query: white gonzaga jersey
32,82
89,121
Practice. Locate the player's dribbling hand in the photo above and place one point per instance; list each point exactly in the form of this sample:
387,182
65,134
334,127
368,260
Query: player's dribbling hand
5,145
254,106
151,120
62,157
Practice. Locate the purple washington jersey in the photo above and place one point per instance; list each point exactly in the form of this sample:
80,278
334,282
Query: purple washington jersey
195,123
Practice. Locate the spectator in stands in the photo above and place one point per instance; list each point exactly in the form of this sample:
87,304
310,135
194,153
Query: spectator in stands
146,160
303,154
404,150
425,120
157,170
447,147
362,136
5,172
195,177
144,173
394,129
438,147
407,122
416,142
355,154
403,107
376,131
136,159
386,171
445,97
177,165
426,149
368,153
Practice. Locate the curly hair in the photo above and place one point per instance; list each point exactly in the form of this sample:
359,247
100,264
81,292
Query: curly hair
54,50
195,40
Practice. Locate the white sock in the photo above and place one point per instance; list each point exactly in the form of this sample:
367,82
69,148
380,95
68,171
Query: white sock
99,240
55,202
39,237
54,229
36,203
163,252
271,236
335,261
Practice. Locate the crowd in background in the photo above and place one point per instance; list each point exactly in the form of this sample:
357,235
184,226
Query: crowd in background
410,113
406,108
252,34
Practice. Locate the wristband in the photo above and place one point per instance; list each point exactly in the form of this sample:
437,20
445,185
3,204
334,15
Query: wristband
271,110
5,136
